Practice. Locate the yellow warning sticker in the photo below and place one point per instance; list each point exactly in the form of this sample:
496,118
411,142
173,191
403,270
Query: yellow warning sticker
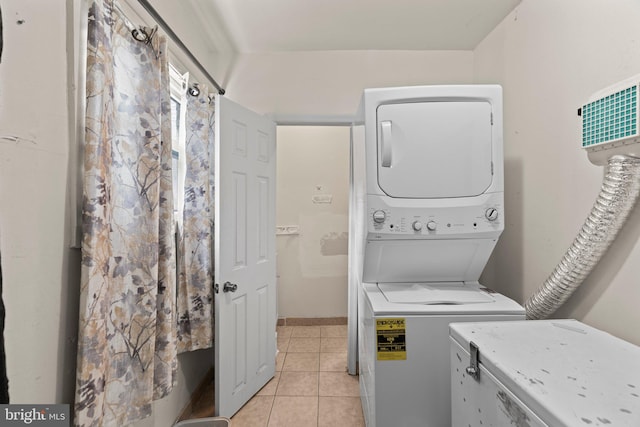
392,339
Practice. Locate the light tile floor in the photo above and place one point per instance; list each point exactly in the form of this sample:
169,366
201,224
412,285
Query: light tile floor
311,386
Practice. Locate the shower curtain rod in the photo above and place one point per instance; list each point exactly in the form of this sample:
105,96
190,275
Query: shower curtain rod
156,16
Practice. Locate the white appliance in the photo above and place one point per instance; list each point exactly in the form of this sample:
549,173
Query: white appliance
426,213
543,373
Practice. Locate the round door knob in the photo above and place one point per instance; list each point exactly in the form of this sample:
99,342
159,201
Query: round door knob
491,214
229,287
417,225
431,225
379,217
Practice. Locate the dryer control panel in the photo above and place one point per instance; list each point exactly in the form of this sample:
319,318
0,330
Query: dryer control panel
386,221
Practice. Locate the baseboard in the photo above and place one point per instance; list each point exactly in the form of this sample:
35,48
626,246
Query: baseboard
311,321
197,394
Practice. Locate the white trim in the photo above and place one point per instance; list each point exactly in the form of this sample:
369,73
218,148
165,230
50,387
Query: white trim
178,80
76,97
311,120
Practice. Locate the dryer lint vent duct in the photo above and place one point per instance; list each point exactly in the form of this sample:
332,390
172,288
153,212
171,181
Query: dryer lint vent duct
610,122
618,195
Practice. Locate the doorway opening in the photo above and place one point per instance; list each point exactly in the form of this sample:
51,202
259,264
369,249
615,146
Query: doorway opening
312,222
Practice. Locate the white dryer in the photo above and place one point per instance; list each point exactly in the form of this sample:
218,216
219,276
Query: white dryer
426,213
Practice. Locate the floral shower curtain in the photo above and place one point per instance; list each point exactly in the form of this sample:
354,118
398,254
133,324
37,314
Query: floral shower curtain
195,256
127,344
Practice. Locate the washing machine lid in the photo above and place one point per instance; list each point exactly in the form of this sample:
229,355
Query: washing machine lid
446,293
434,149
467,302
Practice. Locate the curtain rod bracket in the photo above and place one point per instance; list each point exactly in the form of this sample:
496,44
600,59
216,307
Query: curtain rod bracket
163,24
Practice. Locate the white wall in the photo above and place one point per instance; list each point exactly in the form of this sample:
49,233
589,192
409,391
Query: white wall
312,265
40,272
550,56
331,82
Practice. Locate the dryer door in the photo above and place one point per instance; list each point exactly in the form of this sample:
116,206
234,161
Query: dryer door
434,149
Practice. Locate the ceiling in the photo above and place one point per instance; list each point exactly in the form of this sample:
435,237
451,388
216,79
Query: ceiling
308,25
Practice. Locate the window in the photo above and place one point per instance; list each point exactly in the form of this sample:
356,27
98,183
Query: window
176,125
178,118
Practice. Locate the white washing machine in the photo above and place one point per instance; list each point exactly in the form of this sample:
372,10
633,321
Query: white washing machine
404,347
426,213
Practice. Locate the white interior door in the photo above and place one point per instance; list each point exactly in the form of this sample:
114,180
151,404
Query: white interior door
245,265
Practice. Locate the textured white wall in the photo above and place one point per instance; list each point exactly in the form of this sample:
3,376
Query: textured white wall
40,271
550,57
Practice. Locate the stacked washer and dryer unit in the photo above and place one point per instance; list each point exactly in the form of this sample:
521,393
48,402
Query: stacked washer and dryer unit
426,212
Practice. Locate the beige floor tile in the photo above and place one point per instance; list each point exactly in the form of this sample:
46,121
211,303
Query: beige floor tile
289,411
283,343
340,412
270,388
284,331
298,384
255,413
304,345
333,331
338,384
305,331
280,360
301,362
333,362
333,345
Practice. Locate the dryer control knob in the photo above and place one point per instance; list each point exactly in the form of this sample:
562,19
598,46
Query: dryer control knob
491,214
417,225
431,226
379,217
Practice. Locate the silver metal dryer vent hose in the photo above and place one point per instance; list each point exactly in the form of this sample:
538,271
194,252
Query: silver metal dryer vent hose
617,198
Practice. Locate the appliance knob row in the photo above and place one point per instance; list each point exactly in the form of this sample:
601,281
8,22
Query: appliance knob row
431,225
379,216
491,214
